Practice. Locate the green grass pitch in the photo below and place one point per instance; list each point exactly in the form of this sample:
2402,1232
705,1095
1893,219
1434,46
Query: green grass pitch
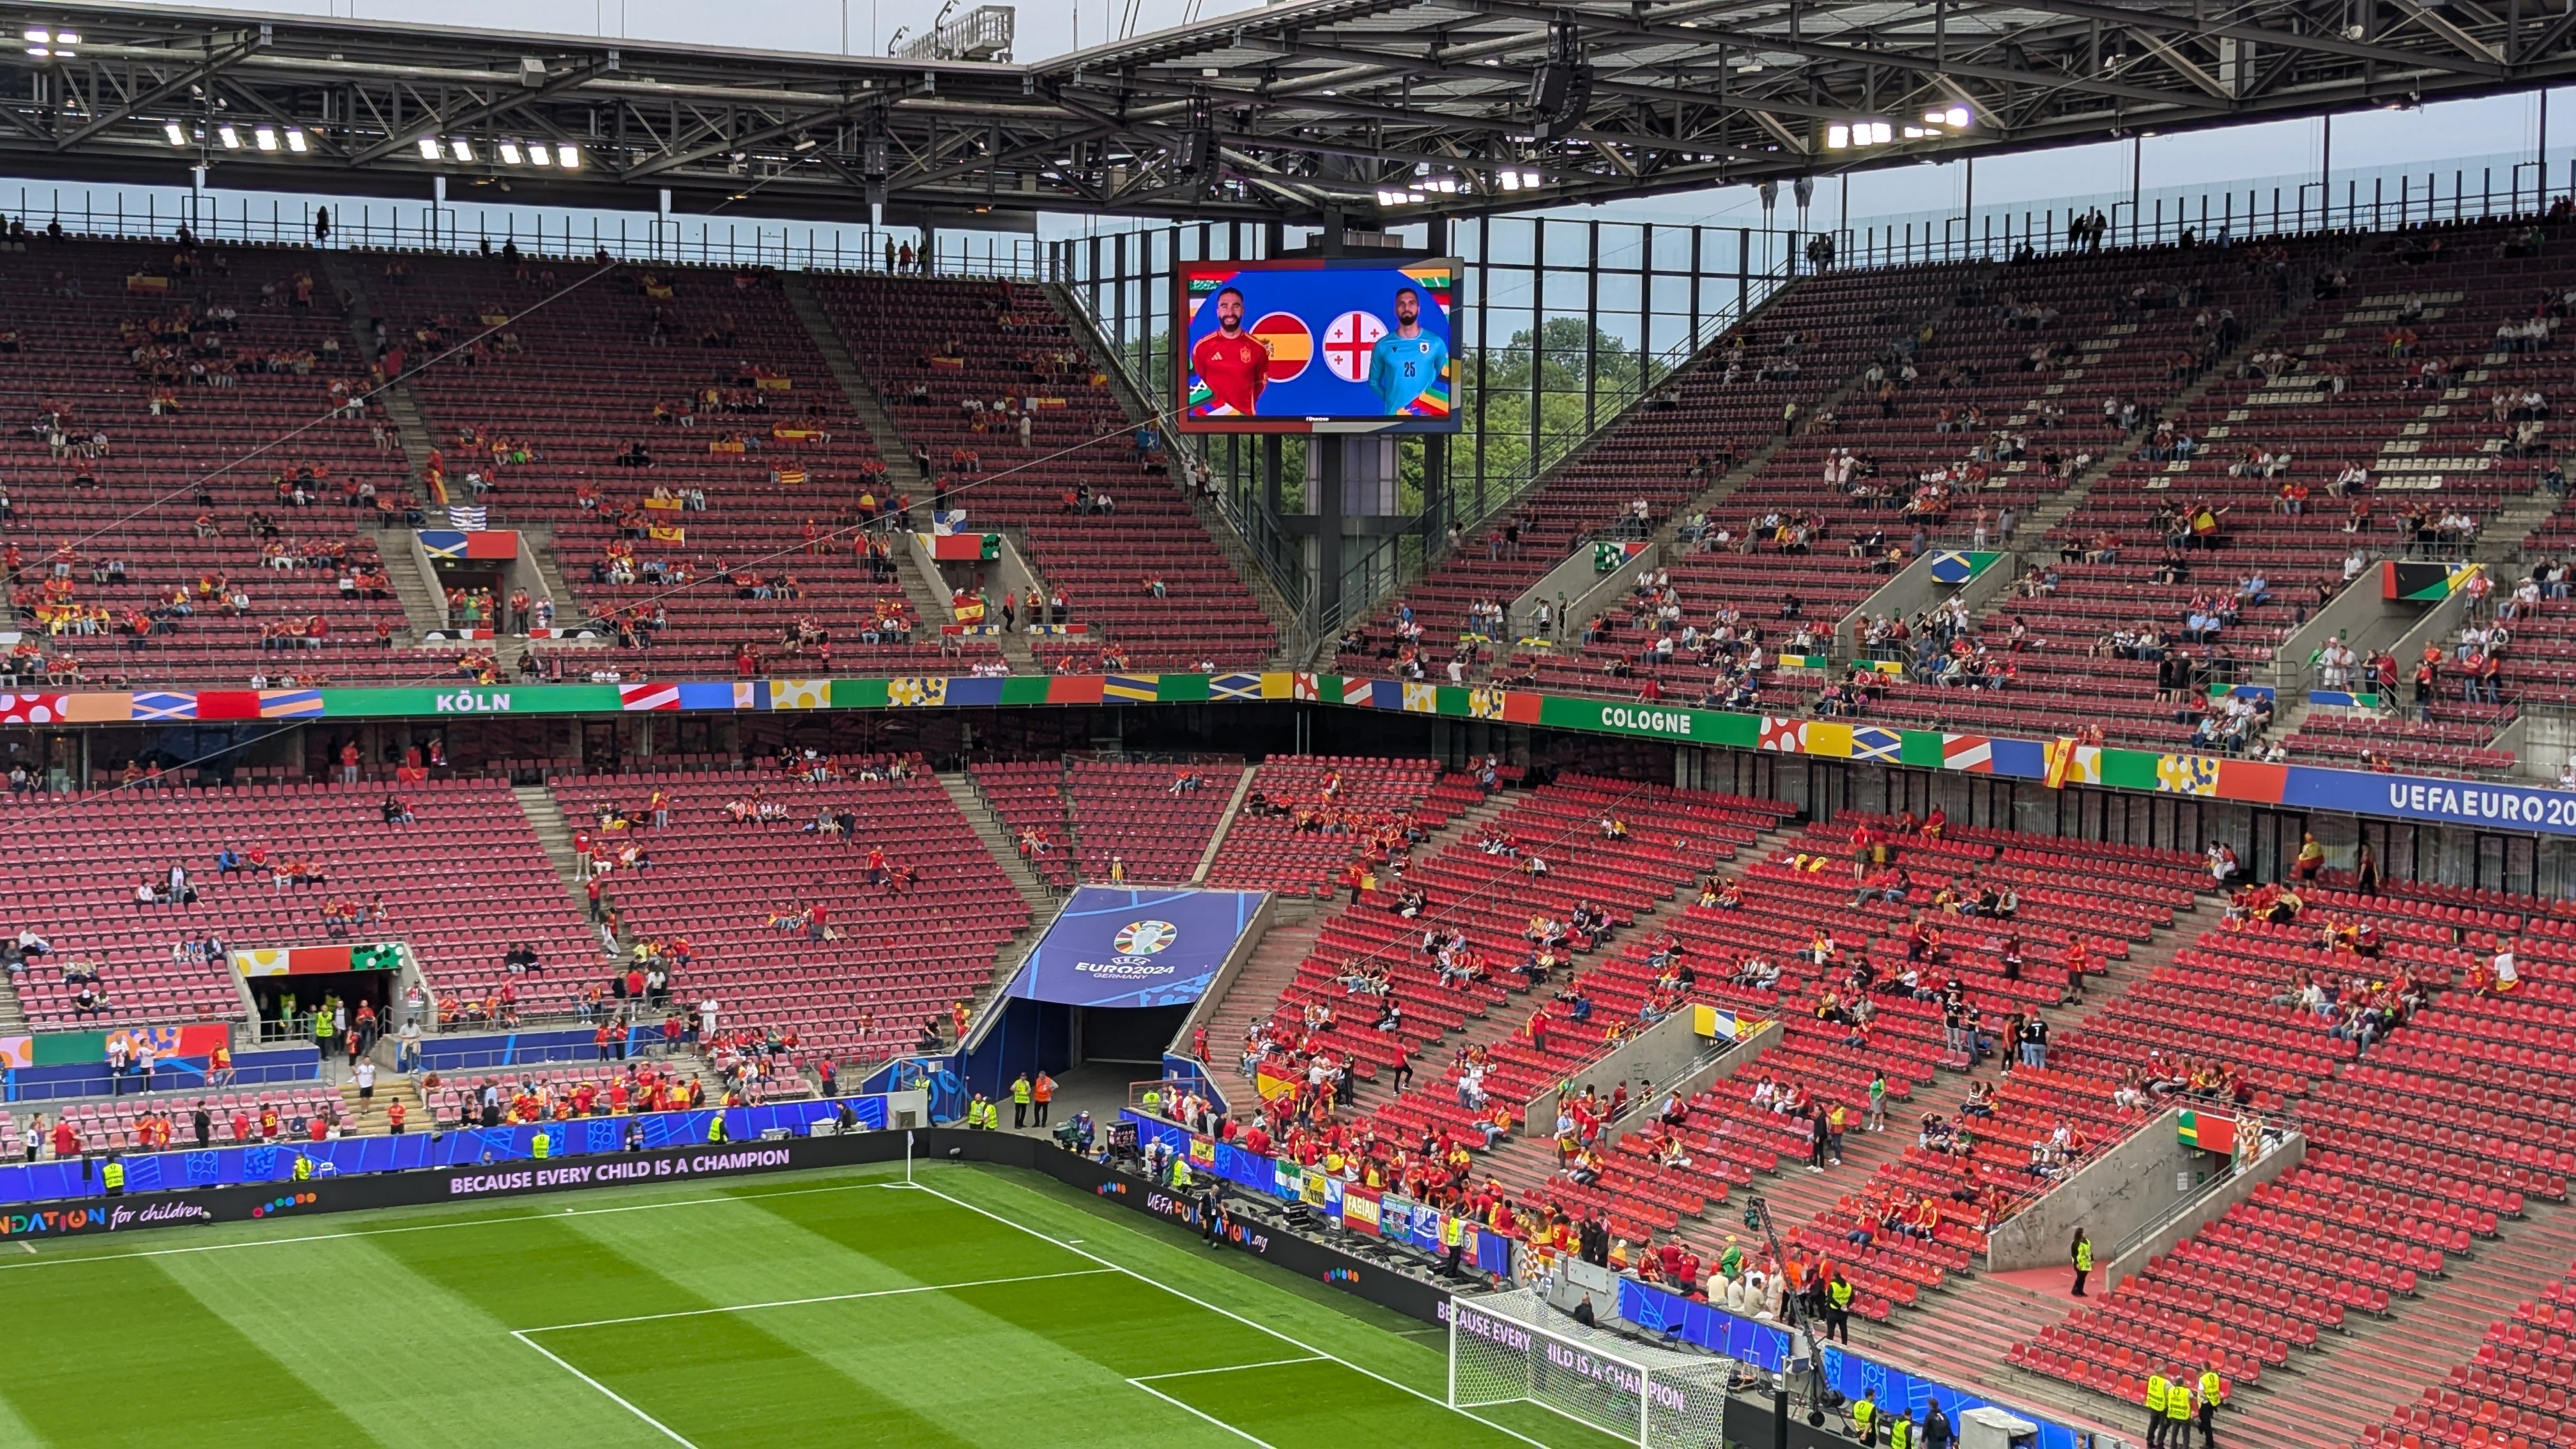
981,1307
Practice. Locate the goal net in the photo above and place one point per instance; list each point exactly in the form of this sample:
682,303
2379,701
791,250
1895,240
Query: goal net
1508,1348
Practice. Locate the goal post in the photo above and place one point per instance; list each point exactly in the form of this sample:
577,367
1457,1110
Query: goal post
1509,1348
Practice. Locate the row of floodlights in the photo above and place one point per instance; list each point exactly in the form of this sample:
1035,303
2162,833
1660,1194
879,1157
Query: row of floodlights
1423,187
293,139
1844,136
513,153
233,138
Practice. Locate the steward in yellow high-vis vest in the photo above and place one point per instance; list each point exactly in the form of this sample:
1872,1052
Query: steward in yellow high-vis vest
2157,1392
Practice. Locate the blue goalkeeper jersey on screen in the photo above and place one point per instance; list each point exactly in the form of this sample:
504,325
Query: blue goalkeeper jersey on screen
1402,368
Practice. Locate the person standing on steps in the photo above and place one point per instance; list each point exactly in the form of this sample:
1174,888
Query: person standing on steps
2158,1391
2082,1252
2213,1392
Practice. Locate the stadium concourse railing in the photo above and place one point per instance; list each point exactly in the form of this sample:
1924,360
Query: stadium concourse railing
361,224
2377,199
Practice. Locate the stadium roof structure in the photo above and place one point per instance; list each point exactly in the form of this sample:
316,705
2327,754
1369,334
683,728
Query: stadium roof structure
1369,110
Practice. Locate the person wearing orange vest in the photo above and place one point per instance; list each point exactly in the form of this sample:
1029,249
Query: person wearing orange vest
1041,1092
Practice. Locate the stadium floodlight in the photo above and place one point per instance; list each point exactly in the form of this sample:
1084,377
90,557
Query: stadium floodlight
538,155
264,137
568,157
295,141
1509,180
1838,137
463,149
1958,118
429,148
510,152
39,37
230,137
177,133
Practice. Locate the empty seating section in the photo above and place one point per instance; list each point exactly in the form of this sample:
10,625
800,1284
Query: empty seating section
2433,1140
1672,447
933,348
152,409
860,981
2517,1393
1307,817
733,404
74,863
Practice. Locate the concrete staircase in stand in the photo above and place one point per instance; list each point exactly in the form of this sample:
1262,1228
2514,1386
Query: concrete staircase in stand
1224,825
13,1012
554,832
423,610
1257,988
887,438
1033,889
369,1118
402,410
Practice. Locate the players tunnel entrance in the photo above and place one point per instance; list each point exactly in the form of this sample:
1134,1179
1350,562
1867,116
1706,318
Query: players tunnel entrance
1114,978
297,992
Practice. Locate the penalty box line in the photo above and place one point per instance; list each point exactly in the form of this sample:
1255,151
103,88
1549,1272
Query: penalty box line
803,1302
525,1335
1252,1324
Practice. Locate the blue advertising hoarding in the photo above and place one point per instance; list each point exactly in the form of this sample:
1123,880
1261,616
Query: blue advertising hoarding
1283,346
1120,946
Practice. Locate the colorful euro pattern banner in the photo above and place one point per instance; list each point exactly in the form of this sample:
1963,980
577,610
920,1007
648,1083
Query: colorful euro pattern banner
2056,762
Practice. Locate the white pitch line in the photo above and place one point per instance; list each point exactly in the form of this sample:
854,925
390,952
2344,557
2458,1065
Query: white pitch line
667,1431
825,1298
459,1222
1201,1413
1237,1317
1231,1368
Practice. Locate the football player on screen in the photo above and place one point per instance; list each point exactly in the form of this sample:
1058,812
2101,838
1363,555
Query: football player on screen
1233,363
1406,362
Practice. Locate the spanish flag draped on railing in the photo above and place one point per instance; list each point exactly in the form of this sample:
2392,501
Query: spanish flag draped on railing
667,533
